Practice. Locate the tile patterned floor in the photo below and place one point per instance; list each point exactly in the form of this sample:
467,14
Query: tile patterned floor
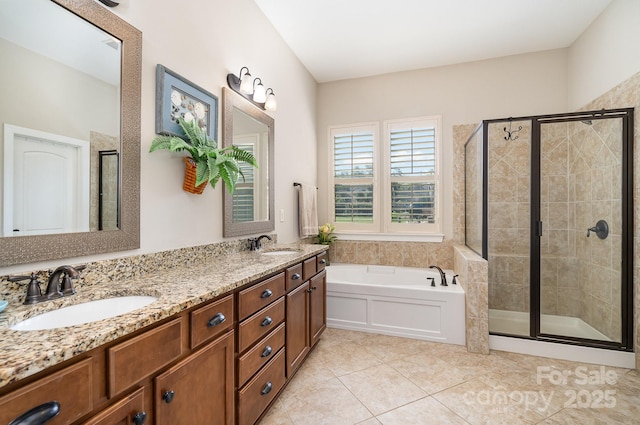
367,379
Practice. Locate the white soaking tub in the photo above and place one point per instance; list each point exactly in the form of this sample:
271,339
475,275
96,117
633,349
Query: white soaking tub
395,301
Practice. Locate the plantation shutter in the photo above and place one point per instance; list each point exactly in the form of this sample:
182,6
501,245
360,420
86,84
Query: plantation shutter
353,159
412,159
243,197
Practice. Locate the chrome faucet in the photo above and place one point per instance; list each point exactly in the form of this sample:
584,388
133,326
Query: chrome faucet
256,244
443,276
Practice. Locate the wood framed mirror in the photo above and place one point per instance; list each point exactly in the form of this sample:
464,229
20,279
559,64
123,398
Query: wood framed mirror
121,111
250,210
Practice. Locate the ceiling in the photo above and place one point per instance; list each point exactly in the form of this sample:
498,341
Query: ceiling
340,39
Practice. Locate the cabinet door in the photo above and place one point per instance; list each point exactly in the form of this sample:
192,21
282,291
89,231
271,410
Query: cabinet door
129,411
297,327
199,389
317,307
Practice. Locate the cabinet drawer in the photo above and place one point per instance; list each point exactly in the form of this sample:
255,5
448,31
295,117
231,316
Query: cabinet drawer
259,295
259,355
294,277
71,387
211,320
322,261
135,359
308,268
126,411
258,325
261,390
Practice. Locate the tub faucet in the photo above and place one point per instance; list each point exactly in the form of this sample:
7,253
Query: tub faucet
256,244
443,276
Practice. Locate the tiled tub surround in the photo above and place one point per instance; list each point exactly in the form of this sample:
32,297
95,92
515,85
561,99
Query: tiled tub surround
399,254
180,279
472,270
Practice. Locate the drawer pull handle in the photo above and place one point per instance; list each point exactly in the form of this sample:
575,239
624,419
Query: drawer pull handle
139,418
216,320
267,351
314,288
168,396
295,276
323,261
266,294
266,322
267,388
38,415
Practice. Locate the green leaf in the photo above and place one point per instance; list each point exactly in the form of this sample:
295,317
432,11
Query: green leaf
160,142
227,179
202,173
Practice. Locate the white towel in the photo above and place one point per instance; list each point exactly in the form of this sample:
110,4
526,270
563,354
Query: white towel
307,211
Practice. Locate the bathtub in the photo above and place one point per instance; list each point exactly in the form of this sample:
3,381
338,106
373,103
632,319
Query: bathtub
395,301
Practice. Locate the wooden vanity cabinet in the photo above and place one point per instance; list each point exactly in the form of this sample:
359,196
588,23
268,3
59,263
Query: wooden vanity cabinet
306,319
129,411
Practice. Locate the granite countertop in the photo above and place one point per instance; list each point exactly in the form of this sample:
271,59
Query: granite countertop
24,353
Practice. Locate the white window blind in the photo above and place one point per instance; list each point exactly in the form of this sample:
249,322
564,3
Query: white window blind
244,196
353,163
412,159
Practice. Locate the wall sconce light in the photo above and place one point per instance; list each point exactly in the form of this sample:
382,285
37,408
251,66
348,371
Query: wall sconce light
270,104
252,89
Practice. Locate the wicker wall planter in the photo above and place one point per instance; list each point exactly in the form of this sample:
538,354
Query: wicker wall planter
189,184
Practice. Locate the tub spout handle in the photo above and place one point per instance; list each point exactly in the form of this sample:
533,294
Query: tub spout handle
433,281
454,282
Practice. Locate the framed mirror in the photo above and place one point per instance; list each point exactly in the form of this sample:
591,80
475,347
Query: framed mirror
250,209
73,90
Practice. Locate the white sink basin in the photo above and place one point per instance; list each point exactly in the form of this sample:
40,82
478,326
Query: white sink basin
79,314
280,252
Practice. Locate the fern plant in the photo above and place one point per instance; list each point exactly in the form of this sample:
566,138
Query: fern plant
212,163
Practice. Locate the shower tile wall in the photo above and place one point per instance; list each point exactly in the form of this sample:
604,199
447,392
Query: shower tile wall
595,193
509,177
407,254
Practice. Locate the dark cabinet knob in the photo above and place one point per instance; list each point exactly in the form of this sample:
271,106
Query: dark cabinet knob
139,418
168,396
266,294
323,261
314,288
38,415
295,276
267,351
267,388
309,291
267,321
216,320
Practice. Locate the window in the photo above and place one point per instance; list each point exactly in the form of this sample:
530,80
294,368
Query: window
354,200
244,196
411,173
388,186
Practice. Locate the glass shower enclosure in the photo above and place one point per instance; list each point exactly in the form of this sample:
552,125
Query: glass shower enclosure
549,204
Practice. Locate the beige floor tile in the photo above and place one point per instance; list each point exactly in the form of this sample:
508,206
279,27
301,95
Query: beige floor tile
426,411
473,365
372,421
345,357
277,415
388,348
479,403
430,374
382,388
588,417
325,403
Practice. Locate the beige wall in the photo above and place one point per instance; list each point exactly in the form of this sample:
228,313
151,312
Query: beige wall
606,54
517,85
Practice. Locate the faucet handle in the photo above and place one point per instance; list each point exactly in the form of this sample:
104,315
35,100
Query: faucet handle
454,279
34,293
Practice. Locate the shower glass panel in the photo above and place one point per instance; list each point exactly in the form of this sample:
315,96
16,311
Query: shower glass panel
557,225
580,269
508,226
473,171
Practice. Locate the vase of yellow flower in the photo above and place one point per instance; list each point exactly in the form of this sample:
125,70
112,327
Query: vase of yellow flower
326,236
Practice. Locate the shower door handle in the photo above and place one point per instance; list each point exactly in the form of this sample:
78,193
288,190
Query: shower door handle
539,228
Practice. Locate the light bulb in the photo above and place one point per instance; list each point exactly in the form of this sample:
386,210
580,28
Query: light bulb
270,104
259,93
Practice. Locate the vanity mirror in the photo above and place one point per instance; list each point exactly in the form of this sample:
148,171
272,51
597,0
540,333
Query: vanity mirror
250,209
72,90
